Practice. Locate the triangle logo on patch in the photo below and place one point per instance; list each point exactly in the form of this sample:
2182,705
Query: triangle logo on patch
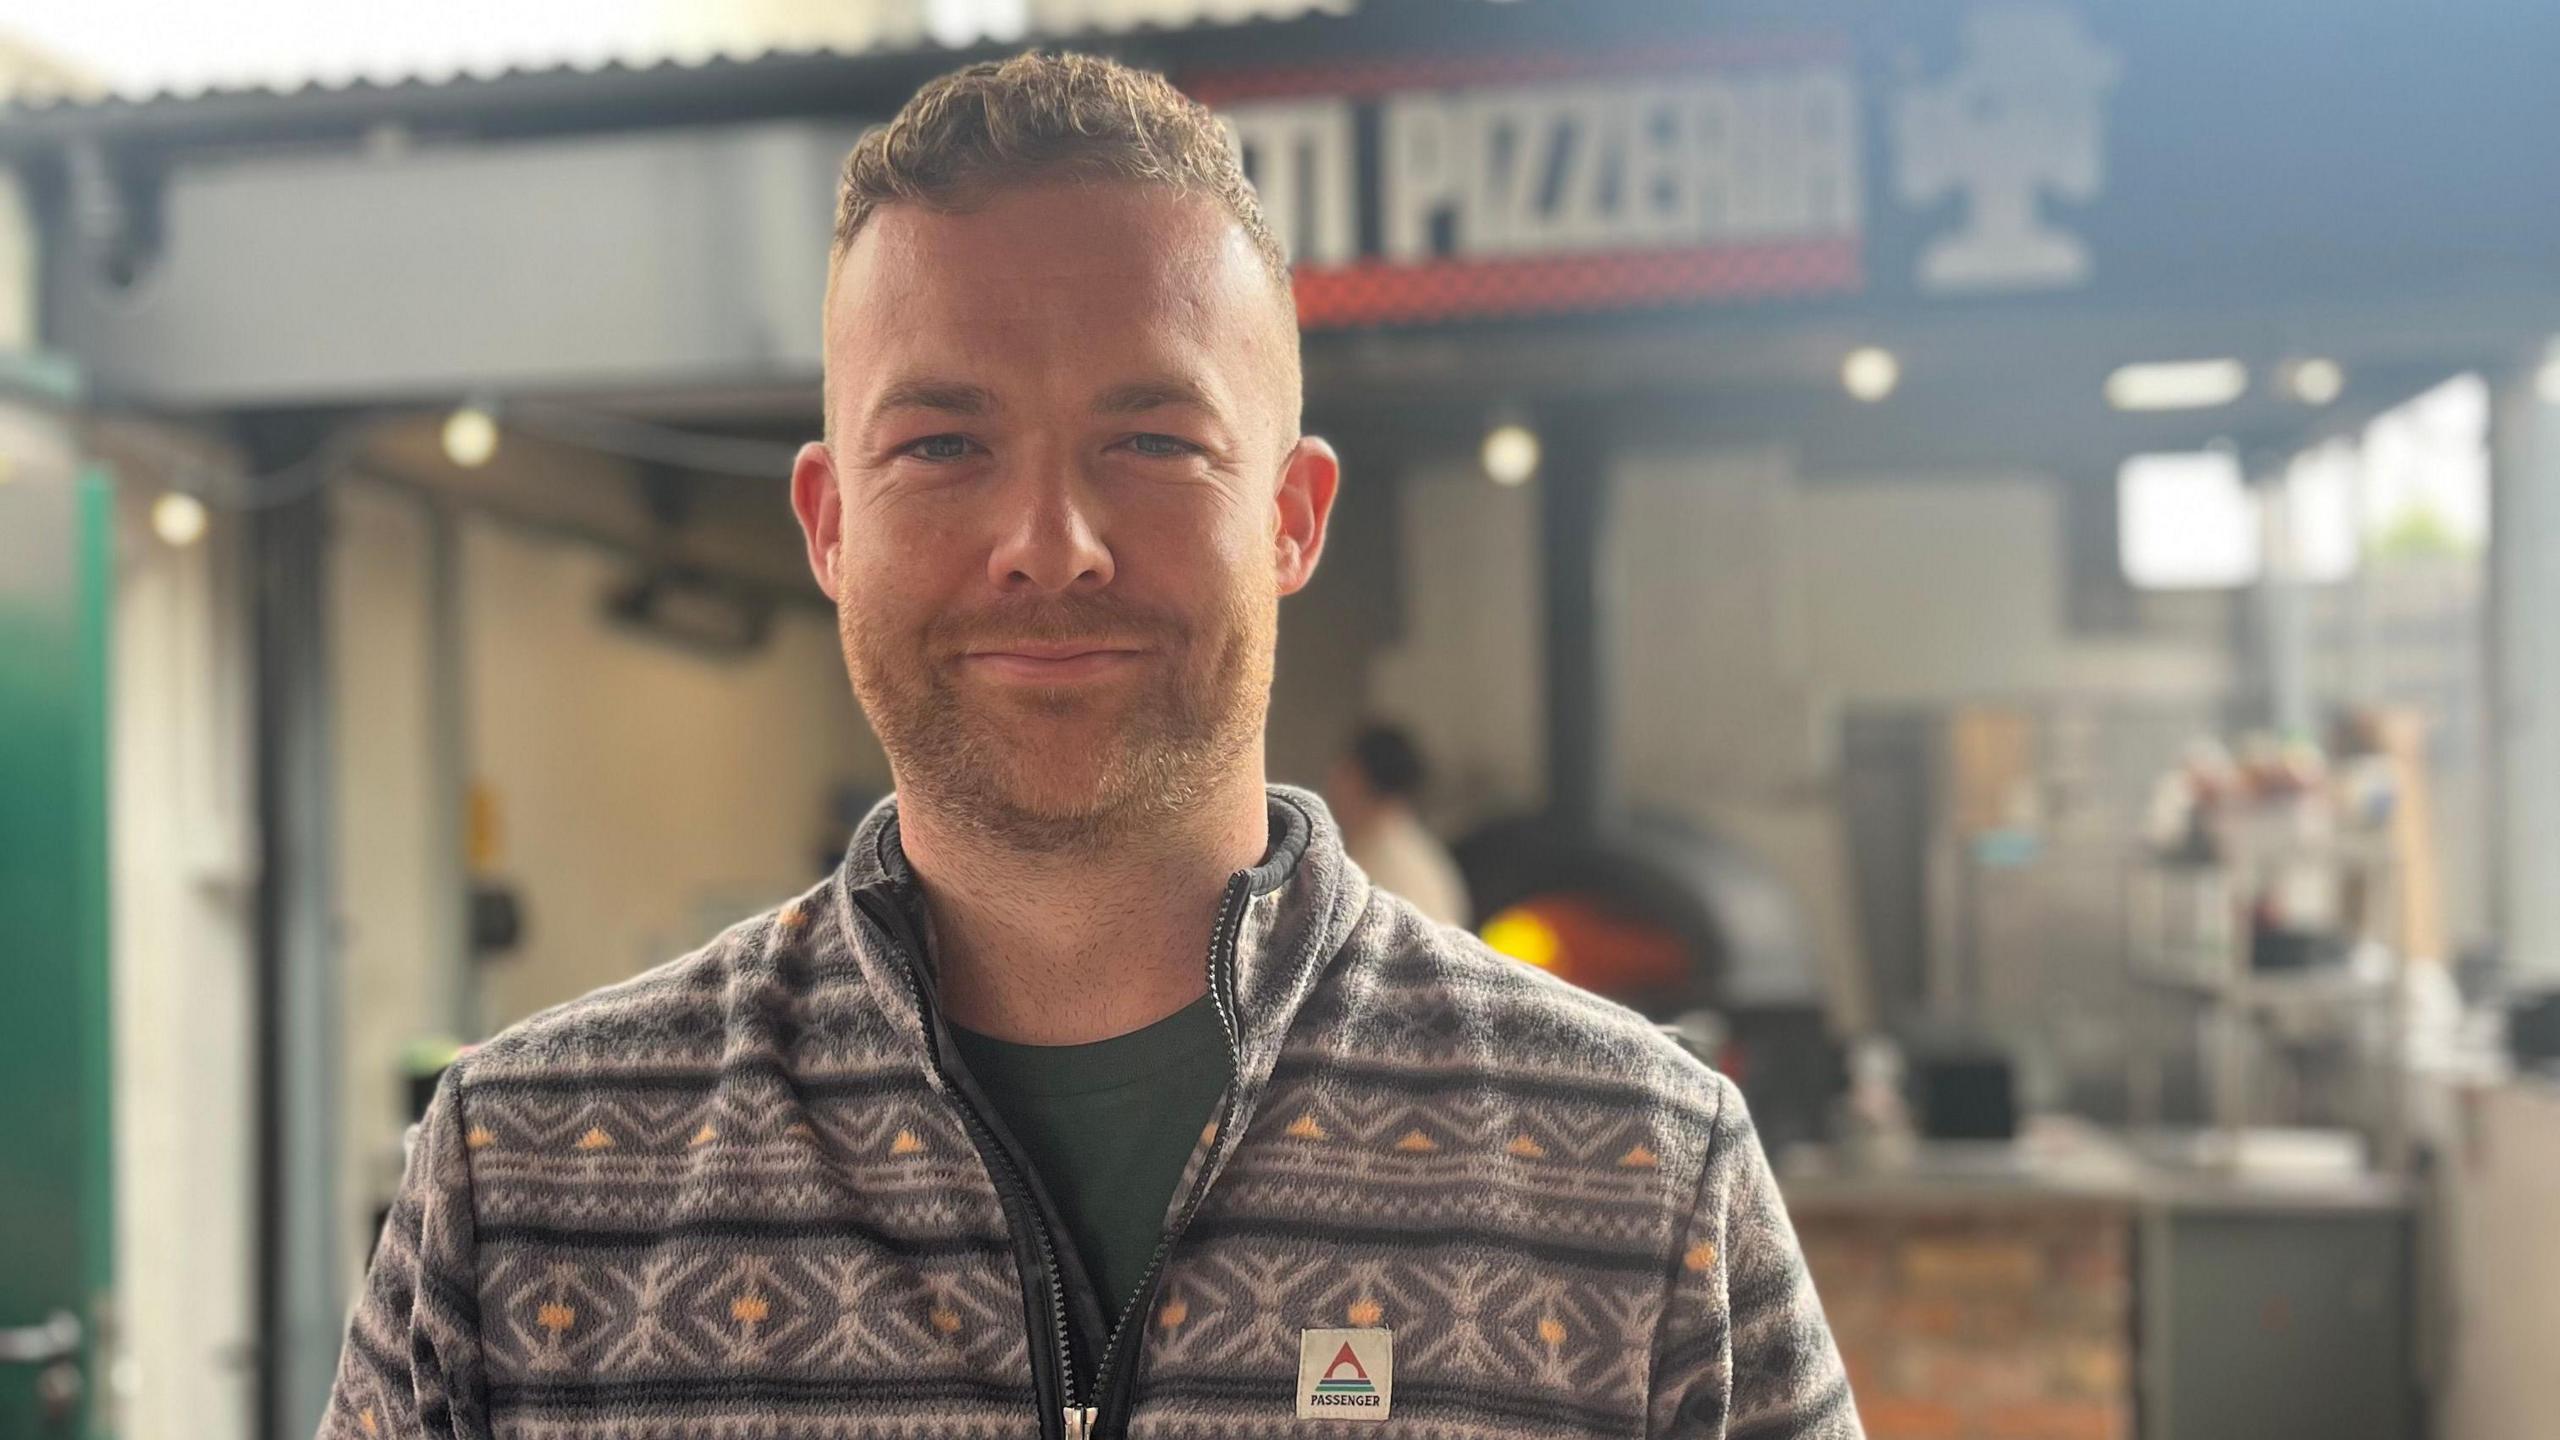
1345,1374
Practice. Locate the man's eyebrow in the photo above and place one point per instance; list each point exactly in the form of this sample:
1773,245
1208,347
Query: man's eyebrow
1144,395
953,397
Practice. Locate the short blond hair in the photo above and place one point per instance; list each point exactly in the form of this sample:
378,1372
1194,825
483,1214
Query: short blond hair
1037,116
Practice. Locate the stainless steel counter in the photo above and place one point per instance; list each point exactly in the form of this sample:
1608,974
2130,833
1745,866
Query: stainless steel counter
1969,1174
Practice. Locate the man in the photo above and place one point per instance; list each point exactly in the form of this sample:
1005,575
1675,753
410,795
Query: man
1372,793
1096,1094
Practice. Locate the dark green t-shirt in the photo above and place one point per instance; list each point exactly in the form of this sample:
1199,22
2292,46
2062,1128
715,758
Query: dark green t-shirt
1109,1126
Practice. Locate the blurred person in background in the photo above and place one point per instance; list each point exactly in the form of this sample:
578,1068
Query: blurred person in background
970,1138
1373,792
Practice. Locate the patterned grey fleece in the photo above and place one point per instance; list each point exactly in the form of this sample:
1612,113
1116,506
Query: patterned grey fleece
747,1194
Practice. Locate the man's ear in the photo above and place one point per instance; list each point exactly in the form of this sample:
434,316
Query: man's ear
821,510
1301,510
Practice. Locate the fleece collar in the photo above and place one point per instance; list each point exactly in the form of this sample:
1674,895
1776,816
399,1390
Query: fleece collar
1299,906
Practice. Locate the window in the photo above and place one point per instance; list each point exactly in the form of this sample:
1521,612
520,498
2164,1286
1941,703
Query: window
2186,522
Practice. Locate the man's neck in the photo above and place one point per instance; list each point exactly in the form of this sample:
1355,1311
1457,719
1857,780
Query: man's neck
1071,947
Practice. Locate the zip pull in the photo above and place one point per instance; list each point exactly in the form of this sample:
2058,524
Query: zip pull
1080,1422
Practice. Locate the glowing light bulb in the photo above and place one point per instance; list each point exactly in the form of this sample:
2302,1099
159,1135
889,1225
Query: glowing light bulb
2317,382
1870,373
178,518
1511,454
470,437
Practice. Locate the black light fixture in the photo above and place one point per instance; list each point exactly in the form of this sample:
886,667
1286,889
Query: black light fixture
692,610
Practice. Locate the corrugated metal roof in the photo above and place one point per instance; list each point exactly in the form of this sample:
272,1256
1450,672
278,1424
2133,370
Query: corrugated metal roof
41,99
28,70
674,36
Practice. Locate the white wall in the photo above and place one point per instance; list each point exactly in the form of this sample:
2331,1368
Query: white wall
2525,668
1719,695
17,267
643,795
184,857
1946,587
1755,604
1464,676
646,796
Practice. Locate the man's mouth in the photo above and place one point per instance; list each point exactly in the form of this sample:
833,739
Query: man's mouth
1053,662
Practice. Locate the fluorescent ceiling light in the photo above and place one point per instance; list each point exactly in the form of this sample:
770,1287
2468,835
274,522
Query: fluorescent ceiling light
2178,385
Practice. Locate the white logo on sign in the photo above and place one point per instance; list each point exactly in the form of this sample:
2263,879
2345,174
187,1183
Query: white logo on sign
1346,1374
2024,113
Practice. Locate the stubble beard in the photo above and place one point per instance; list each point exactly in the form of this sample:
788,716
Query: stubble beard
1047,771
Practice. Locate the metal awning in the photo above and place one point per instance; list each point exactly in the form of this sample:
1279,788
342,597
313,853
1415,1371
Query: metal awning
482,59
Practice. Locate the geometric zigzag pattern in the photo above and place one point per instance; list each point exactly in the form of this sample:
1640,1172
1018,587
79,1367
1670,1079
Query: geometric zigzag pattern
726,1199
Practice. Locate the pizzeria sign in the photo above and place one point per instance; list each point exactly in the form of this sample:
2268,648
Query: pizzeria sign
1434,190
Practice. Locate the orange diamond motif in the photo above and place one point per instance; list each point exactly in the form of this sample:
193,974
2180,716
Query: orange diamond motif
478,1137
946,1321
1527,1149
1639,1159
1305,1128
905,1144
705,1135
1416,1143
1701,1256
595,1139
1551,1330
1365,1313
749,1309
556,1317
1174,1313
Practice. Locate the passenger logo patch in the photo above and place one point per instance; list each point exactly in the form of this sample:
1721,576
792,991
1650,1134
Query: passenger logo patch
1345,1374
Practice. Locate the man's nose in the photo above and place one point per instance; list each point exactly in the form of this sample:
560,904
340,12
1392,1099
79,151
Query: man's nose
1052,541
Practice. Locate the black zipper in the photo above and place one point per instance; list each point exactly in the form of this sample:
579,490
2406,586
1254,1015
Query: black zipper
1114,1377
1053,1372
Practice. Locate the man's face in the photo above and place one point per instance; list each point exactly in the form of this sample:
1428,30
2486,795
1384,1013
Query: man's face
1063,495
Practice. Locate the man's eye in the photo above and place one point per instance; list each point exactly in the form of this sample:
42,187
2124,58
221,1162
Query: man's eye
1161,446
940,447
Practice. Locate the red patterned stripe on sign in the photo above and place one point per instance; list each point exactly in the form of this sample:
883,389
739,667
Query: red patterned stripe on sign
1374,292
